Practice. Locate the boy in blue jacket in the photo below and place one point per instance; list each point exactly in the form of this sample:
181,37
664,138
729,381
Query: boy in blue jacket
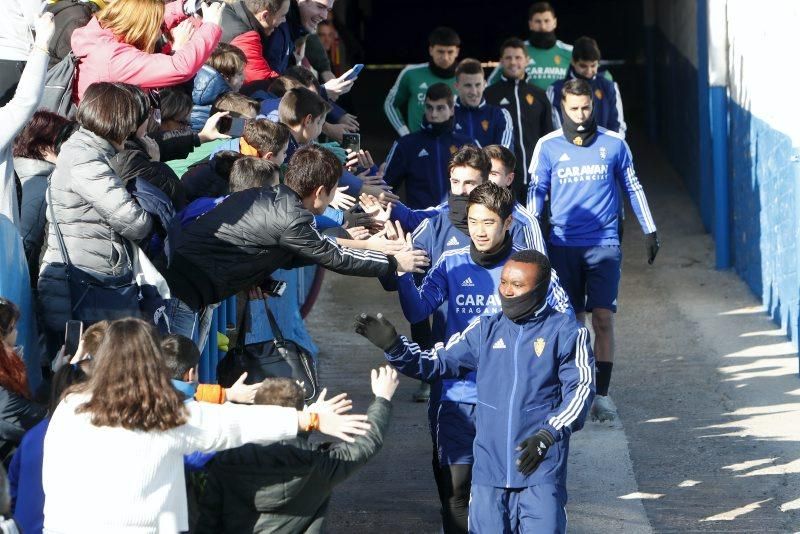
534,384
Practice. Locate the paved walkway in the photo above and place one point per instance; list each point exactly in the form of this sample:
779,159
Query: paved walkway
706,386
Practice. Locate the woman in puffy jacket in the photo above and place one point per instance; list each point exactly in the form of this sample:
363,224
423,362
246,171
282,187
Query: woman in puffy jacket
35,151
119,44
94,211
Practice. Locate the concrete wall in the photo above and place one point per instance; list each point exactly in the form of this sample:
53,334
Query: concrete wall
763,136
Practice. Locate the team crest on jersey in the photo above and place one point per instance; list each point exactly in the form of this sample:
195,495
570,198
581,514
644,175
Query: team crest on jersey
603,152
529,99
599,94
538,346
557,60
453,149
577,141
485,125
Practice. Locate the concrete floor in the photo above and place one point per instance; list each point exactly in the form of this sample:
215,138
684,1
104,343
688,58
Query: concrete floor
706,386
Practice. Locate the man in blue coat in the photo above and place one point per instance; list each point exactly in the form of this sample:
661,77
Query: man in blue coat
534,385
482,122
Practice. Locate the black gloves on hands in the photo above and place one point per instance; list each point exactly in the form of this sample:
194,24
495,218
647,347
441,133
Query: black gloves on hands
378,330
533,450
652,244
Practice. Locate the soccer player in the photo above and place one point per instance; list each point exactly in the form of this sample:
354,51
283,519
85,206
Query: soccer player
527,104
579,168
405,103
482,122
534,383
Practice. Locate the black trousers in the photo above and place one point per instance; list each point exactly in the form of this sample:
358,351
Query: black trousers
453,483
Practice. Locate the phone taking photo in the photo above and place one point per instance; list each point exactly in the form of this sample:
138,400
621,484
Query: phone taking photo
73,337
356,71
351,141
237,127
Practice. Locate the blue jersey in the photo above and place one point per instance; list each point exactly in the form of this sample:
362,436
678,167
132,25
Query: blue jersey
468,289
530,376
485,124
581,182
606,102
420,160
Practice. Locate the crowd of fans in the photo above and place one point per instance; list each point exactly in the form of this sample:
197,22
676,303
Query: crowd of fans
199,151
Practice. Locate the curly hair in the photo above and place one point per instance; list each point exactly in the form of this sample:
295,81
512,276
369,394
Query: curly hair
130,386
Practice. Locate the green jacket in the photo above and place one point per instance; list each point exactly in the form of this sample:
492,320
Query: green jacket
405,103
284,487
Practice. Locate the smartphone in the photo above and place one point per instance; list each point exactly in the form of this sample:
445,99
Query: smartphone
73,337
275,288
356,71
237,127
351,141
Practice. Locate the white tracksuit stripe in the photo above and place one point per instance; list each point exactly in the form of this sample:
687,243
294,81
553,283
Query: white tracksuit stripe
568,415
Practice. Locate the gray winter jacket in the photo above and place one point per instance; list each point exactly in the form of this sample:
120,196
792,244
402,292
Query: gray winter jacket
33,175
94,213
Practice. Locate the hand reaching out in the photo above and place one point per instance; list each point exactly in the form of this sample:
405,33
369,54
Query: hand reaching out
210,132
341,200
44,28
339,404
181,34
358,233
384,382
240,392
373,207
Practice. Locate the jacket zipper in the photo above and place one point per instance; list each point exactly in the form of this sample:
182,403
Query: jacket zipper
511,412
438,143
525,161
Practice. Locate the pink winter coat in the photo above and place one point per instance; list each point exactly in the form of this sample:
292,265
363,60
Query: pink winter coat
104,59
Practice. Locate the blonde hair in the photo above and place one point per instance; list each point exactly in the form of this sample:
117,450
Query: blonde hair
134,22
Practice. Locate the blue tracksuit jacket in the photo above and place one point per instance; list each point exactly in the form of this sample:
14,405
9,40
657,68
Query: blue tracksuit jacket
468,290
485,124
534,375
582,184
420,160
606,102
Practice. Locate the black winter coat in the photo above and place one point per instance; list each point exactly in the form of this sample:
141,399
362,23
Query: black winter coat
247,237
133,162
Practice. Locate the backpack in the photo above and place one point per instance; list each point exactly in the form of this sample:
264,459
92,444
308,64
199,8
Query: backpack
58,84
68,15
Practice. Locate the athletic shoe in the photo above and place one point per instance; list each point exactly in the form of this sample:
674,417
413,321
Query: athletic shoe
603,409
423,394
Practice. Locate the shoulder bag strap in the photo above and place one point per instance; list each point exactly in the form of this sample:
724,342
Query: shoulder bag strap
60,237
276,331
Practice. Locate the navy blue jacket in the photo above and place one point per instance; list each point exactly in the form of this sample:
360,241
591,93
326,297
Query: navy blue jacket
485,124
280,44
530,376
607,102
420,160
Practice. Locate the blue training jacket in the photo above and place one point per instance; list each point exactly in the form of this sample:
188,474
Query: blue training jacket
420,160
581,182
530,376
485,124
606,102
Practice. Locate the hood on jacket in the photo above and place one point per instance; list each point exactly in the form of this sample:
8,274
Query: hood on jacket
28,168
208,86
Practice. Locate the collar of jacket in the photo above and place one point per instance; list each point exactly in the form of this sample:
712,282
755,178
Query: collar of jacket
537,317
469,108
515,81
186,389
90,138
27,167
572,75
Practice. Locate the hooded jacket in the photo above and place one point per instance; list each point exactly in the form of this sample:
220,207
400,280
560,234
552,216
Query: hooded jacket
284,487
103,58
208,86
95,215
33,175
248,236
420,160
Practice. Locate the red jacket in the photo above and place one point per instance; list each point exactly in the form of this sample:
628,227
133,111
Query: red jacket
257,67
102,58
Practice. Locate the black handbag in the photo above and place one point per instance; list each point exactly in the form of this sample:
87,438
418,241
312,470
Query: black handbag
95,296
277,358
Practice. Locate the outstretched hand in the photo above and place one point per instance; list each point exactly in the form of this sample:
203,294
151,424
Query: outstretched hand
242,393
339,404
384,382
377,329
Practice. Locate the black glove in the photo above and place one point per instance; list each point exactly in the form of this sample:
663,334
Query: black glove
378,330
652,244
533,450
354,218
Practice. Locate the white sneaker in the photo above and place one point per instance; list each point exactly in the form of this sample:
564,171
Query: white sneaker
603,409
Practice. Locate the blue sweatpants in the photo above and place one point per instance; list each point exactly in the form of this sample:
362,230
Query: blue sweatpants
537,509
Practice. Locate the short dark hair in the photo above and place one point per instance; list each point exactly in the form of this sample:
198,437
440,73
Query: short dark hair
439,91
301,74
180,354
471,156
540,7
513,42
298,103
444,36
9,316
312,166
109,110
280,392
499,152
534,257
176,104
40,135
585,49
498,199
265,135
257,6
469,66
227,59
223,161
577,87
237,104
281,84
249,172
